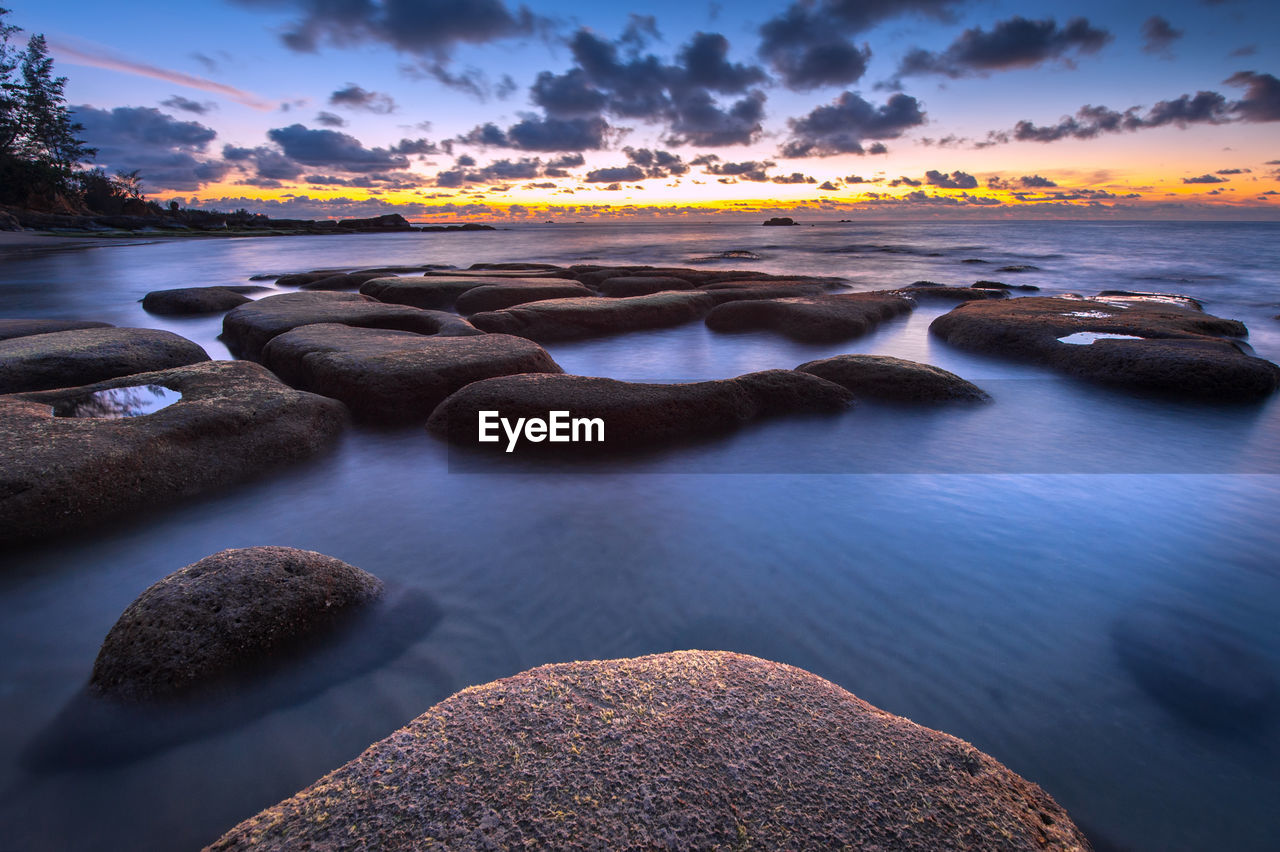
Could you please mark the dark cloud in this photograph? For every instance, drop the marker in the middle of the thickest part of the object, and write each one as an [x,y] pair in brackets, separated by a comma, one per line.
[424,27]
[1261,101]
[1233,171]
[752,170]
[809,45]
[794,177]
[842,127]
[188,105]
[355,97]
[158,146]
[333,149]
[415,146]
[1158,35]
[470,81]
[856,179]
[1205,179]
[613,175]
[904,181]
[656,164]
[1245,50]
[269,164]
[1014,43]
[328,119]
[956,180]
[828,186]
[1035,182]
[545,134]
[616,78]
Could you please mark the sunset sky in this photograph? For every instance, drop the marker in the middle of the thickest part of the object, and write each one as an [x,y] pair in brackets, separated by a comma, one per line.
[485,110]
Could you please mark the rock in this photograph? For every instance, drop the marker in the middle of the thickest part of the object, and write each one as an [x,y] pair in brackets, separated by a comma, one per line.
[893,379]
[1018,267]
[223,613]
[9,222]
[297,279]
[469,226]
[687,750]
[634,414]
[344,281]
[431,292]
[1202,673]
[247,329]
[568,319]
[814,319]
[61,359]
[25,327]
[502,274]
[781,220]
[195,300]
[594,276]
[641,285]
[927,291]
[386,222]
[518,267]
[395,376]
[234,420]
[1177,350]
[734,291]
[1000,285]
[496,297]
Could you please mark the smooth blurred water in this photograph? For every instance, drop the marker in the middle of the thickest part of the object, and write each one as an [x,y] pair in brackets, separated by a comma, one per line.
[984,571]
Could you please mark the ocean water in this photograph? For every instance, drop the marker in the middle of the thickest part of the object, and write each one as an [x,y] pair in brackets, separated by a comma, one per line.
[1082,583]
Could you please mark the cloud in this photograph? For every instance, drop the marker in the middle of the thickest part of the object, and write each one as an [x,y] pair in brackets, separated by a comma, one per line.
[794,177]
[334,150]
[160,147]
[1035,182]
[842,127]
[422,27]
[328,119]
[1262,96]
[545,134]
[828,186]
[613,175]
[656,164]
[1233,171]
[956,180]
[1013,43]
[808,43]
[1244,50]
[857,179]
[905,181]
[1159,35]
[355,97]
[1261,103]
[188,105]
[752,170]
[1205,179]
[79,52]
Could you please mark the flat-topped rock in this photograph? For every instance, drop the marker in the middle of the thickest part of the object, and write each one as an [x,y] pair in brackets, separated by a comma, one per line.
[641,285]
[634,414]
[815,319]
[26,327]
[395,376]
[234,420]
[1138,344]
[61,359]
[687,750]
[569,319]
[224,613]
[496,297]
[926,291]
[894,379]
[766,288]
[196,300]
[344,280]
[437,292]
[248,328]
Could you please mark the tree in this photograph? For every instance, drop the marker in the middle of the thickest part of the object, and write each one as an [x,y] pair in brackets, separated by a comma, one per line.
[10,91]
[49,134]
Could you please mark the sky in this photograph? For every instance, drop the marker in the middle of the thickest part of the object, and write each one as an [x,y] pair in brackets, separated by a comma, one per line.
[490,110]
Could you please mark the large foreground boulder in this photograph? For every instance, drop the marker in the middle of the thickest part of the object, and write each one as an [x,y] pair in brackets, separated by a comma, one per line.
[63,359]
[234,420]
[396,376]
[688,750]
[182,301]
[497,297]
[1141,344]
[641,285]
[894,379]
[569,319]
[224,613]
[247,329]
[816,319]
[25,327]
[634,414]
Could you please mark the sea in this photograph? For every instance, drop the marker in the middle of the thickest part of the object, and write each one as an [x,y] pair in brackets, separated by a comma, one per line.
[1082,582]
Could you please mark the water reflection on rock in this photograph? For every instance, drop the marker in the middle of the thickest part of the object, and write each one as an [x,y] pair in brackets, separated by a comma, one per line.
[118,403]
